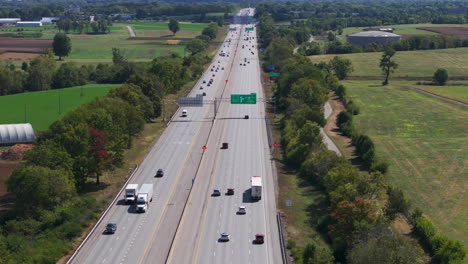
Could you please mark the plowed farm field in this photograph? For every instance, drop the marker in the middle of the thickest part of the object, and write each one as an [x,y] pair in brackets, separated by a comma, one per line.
[20,45]
[461,32]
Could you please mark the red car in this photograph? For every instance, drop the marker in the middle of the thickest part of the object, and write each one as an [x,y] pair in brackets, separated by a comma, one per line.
[259,239]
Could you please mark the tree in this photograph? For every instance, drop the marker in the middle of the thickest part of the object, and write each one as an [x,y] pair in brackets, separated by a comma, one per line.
[119,56]
[49,155]
[341,67]
[61,45]
[68,75]
[350,216]
[387,64]
[173,26]
[41,71]
[37,188]
[440,76]
[196,45]
[386,247]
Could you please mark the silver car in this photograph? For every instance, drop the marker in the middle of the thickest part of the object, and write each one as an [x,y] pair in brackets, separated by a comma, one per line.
[224,237]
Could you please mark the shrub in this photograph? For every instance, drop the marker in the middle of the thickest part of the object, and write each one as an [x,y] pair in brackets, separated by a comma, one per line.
[440,76]
[380,166]
[426,231]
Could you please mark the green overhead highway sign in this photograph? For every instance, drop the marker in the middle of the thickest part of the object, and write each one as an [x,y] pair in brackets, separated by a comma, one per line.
[244,98]
[249,29]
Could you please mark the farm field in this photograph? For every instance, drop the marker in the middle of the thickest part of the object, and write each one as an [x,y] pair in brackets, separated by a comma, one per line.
[424,141]
[406,29]
[419,63]
[98,48]
[42,108]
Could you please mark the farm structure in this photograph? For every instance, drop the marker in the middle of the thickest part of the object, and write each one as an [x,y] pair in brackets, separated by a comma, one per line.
[16,133]
[29,24]
[368,37]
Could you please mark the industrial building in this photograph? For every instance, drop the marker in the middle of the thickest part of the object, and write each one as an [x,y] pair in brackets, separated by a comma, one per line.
[29,24]
[16,134]
[9,21]
[368,37]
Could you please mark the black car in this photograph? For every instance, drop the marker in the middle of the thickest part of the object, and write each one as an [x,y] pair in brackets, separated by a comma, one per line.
[216,192]
[204,81]
[160,173]
[111,228]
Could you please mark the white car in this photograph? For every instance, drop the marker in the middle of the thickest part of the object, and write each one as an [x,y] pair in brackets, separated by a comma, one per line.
[241,210]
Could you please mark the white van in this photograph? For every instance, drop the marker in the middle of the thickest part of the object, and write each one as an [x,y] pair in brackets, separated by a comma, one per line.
[184,113]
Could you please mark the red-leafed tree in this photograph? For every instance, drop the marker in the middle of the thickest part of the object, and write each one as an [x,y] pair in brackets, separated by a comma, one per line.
[97,148]
[350,215]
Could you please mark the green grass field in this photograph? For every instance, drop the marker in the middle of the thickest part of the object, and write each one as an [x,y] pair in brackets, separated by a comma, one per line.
[424,141]
[407,29]
[455,89]
[420,63]
[42,108]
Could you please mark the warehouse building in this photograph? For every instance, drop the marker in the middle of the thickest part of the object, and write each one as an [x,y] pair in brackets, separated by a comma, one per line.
[9,21]
[29,24]
[16,134]
[368,37]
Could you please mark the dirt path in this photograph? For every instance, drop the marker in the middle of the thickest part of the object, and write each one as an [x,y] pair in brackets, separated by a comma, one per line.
[447,99]
[333,131]
[131,32]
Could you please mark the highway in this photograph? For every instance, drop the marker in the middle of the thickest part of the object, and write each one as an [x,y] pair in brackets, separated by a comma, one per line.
[206,217]
[148,237]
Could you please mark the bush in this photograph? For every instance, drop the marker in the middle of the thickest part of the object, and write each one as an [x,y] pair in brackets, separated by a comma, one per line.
[380,166]
[352,108]
[425,230]
[440,76]
[397,202]
[343,117]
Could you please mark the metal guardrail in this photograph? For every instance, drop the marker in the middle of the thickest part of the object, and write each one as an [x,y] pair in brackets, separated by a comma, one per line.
[102,216]
[281,238]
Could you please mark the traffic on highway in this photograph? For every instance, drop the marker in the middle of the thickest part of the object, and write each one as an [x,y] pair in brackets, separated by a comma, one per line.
[205,193]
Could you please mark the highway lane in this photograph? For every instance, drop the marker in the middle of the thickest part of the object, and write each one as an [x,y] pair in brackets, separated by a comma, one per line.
[178,152]
[206,217]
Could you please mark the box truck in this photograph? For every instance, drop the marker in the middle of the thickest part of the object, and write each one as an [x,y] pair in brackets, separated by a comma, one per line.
[131,192]
[145,196]
[256,190]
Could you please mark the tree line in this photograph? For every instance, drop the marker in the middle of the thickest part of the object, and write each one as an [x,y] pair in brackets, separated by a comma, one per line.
[51,185]
[360,205]
[412,43]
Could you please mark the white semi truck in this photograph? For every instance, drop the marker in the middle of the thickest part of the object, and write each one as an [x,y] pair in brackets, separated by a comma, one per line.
[131,192]
[256,190]
[145,196]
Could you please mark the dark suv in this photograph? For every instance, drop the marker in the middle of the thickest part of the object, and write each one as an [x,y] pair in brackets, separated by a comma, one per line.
[160,173]
[111,228]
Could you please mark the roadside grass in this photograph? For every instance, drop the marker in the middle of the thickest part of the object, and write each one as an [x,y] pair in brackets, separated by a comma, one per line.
[308,203]
[405,29]
[42,108]
[424,141]
[420,63]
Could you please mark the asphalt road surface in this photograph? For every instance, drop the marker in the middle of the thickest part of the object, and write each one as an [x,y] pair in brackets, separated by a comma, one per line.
[191,173]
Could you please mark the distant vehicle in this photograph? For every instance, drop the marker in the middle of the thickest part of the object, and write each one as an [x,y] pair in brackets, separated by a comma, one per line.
[211,69]
[204,81]
[256,190]
[222,68]
[259,239]
[145,196]
[131,192]
[225,145]
[224,237]
[204,94]
[160,173]
[244,64]
[201,87]
[241,210]
[246,117]
[209,84]
[216,192]
[213,75]
[230,191]
[184,113]
[111,228]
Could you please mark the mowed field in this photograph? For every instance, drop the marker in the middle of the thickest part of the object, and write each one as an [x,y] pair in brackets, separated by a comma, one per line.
[42,108]
[424,139]
[420,63]
[406,29]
